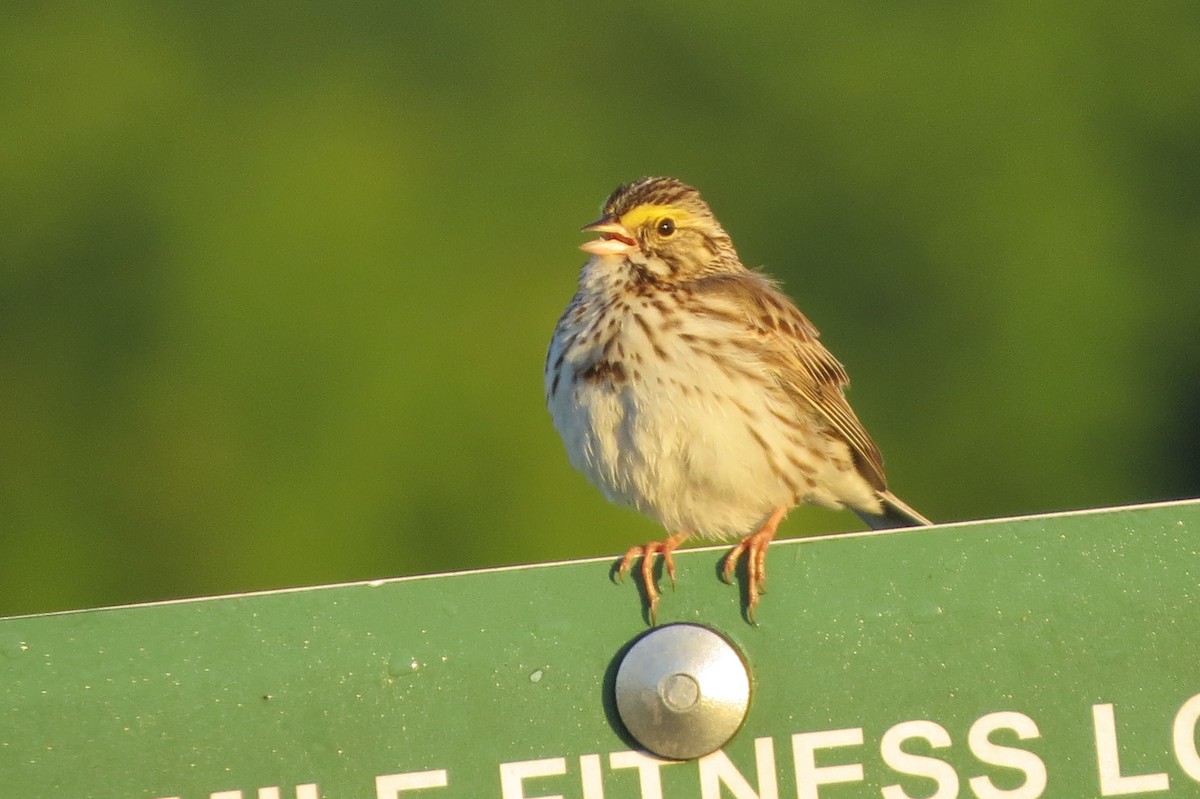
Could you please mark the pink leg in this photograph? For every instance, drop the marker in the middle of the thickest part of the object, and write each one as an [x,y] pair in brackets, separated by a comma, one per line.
[755,547]
[647,552]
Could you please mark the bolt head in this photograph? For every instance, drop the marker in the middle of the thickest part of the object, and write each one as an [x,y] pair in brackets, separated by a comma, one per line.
[682,691]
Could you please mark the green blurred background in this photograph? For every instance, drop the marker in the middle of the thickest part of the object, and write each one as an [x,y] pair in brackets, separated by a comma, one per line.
[276,279]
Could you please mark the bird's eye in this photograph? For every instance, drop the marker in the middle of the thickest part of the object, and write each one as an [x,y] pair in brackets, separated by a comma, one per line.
[666,226]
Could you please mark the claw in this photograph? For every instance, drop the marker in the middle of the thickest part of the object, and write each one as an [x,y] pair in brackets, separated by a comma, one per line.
[648,552]
[627,562]
[755,547]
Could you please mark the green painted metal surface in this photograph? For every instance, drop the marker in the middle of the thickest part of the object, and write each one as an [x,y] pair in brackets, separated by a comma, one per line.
[1054,656]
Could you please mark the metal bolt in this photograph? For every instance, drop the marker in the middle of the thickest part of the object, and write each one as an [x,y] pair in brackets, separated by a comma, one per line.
[682,691]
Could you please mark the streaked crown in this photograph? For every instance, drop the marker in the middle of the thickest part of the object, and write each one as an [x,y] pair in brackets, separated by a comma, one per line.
[654,191]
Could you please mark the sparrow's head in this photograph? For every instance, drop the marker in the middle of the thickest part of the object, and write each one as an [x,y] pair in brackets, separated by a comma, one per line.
[663,226]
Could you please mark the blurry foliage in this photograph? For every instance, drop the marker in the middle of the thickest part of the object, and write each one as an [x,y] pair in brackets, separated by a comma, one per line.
[276,280]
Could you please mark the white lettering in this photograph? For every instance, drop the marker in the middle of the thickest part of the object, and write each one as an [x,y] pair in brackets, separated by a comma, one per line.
[1183,736]
[389,786]
[918,765]
[306,791]
[1009,757]
[808,775]
[1108,763]
[649,771]
[513,776]
[716,770]
[589,777]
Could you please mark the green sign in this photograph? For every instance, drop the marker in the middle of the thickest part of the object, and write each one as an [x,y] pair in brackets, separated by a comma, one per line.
[1056,656]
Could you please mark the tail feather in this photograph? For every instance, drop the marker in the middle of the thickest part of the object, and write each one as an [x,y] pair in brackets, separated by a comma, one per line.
[896,513]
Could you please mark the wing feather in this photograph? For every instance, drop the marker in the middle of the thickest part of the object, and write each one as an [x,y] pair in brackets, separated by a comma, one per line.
[805,370]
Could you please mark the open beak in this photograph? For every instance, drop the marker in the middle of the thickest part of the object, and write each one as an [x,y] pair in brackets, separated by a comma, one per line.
[615,238]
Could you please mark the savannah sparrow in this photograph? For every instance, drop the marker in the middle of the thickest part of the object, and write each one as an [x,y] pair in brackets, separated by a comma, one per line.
[690,388]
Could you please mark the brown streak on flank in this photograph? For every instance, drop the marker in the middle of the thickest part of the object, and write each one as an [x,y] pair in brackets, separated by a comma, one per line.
[717,313]
[790,421]
[743,344]
[839,452]
[758,439]
[702,343]
[604,371]
[747,412]
[554,383]
[716,344]
[785,477]
[806,469]
[734,371]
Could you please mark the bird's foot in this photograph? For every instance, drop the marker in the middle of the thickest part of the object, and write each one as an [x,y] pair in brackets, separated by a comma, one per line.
[755,548]
[648,553]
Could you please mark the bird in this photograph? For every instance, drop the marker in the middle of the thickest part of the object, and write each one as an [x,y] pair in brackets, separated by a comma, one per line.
[689,387]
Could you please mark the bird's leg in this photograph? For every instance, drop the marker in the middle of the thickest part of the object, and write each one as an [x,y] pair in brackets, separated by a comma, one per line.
[665,548]
[755,547]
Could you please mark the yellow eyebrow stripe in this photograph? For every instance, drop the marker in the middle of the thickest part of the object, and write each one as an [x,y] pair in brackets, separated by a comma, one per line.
[636,217]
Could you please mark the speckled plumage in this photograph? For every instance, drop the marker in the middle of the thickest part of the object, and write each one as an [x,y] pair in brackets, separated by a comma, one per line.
[690,388]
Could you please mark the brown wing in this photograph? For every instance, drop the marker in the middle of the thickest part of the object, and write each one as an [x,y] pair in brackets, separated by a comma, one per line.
[806,371]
